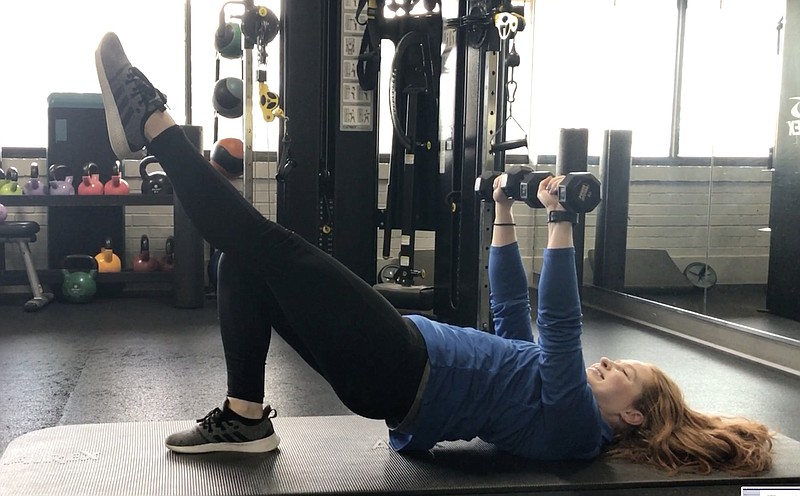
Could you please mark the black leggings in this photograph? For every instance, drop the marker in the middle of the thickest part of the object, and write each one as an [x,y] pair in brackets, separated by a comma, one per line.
[371,356]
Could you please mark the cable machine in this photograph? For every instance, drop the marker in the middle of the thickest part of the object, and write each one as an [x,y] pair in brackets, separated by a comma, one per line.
[479,69]
[456,57]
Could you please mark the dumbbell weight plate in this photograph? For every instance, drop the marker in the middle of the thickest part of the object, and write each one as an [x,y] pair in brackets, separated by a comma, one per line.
[515,175]
[529,188]
[484,185]
[579,192]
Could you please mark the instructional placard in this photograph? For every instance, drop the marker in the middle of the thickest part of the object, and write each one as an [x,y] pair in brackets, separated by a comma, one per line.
[355,104]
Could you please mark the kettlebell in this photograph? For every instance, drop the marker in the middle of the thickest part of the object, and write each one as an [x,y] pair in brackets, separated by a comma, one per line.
[167,262]
[79,283]
[34,186]
[107,260]
[11,187]
[154,183]
[90,181]
[116,185]
[3,213]
[61,186]
[3,179]
[144,262]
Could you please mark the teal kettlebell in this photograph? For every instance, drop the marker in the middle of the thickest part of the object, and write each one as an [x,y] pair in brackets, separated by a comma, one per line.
[79,283]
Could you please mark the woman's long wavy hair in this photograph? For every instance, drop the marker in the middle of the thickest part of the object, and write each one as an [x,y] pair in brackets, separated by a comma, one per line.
[678,439]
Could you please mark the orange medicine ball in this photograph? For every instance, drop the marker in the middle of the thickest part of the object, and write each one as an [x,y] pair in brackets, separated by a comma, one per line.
[227,156]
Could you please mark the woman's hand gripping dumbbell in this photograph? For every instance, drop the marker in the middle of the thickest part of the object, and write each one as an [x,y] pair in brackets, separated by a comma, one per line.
[578,192]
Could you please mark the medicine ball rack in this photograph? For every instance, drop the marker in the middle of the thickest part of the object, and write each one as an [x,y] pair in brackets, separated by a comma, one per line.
[52,275]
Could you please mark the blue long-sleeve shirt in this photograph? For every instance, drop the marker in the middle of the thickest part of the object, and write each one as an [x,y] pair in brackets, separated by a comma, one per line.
[529,398]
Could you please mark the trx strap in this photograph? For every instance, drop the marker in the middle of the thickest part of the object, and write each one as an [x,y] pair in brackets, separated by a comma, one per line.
[369,58]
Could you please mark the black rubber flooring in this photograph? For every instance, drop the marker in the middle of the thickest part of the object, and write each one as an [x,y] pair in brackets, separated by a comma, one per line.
[140,359]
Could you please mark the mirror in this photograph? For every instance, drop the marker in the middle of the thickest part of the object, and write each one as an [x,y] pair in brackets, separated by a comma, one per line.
[701,96]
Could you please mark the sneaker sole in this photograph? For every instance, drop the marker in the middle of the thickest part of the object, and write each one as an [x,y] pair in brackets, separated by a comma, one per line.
[259,446]
[116,131]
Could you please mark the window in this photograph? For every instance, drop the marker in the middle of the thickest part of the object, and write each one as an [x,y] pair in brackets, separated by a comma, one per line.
[731,78]
[598,64]
[602,64]
[49,45]
[50,48]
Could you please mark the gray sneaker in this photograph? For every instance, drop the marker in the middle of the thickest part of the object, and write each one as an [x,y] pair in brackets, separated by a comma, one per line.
[128,97]
[222,430]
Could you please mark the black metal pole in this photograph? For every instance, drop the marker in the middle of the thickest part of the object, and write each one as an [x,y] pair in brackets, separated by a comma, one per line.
[678,81]
[573,156]
[611,233]
[188,58]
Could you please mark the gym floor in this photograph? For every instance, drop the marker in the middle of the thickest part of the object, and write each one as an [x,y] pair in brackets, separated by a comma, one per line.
[138,359]
[743,304]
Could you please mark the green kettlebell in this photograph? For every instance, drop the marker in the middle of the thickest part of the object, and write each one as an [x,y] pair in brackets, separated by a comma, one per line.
[79,283]
[11,186]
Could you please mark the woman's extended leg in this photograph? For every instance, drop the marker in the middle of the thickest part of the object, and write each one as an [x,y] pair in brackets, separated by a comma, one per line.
[361,344]
[247,313]
[372,357]
[245,328]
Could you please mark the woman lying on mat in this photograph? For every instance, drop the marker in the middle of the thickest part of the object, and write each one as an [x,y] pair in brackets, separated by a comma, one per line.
[428,380]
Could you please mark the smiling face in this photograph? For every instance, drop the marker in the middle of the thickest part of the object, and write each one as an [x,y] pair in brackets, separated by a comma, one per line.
[616,385]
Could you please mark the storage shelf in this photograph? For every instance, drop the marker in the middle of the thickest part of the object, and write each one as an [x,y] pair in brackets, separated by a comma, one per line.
[54,276]
[187,281]
[84,201]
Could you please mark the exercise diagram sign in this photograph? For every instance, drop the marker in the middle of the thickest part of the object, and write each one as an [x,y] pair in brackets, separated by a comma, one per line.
[355,104]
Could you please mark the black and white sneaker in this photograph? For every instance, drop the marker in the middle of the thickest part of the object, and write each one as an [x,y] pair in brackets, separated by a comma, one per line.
[128,97]
[224,430]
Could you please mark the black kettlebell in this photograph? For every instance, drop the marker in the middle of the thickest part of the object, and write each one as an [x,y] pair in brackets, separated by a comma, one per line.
[154,183]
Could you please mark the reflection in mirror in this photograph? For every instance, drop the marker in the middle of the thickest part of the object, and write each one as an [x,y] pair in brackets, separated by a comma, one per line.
[700,193]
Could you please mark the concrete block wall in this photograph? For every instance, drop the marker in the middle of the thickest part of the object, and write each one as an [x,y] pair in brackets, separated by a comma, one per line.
[669,209]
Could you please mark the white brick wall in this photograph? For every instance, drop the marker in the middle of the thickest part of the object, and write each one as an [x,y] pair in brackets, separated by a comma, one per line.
[668,210]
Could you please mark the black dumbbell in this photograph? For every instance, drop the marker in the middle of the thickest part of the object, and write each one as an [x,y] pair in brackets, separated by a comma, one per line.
[522,183]
[484,185]
[579,191]
[517,176]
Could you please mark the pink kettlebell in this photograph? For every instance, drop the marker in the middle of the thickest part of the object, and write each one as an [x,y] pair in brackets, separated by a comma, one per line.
[116,185]
[90,182]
